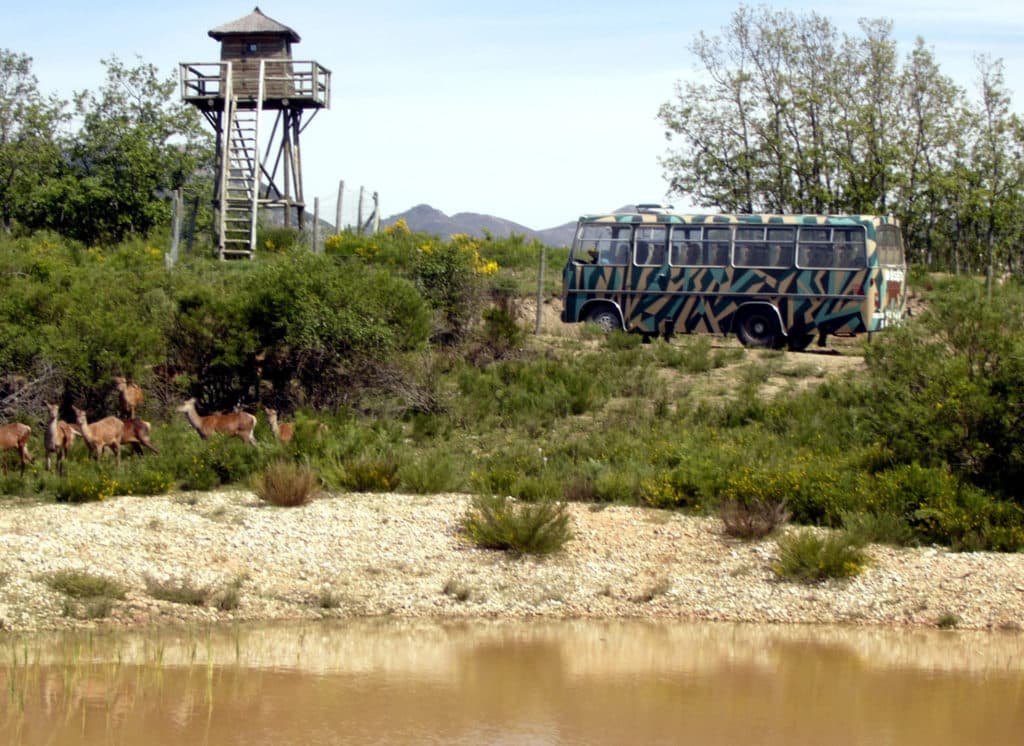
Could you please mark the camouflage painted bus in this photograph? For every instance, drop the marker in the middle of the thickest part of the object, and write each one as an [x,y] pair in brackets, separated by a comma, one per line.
[773,280]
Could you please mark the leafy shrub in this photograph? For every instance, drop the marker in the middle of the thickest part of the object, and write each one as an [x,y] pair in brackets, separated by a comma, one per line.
[148,482]
[84,489]
[949,388]
[807,557]
[429,473]
[450,276]
[497,522]
[279,238]
[878,528]
[617,485]
[371,473]
[286,484]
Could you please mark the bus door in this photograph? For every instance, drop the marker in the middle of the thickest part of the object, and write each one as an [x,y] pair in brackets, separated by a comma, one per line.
[650,280]
[891,298]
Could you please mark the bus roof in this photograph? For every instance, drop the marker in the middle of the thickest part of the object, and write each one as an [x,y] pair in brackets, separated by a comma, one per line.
[733,218]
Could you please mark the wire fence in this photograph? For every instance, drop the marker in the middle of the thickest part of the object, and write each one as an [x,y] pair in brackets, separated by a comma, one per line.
[350,208]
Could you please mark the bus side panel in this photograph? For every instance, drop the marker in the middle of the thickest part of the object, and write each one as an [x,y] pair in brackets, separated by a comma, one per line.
[586,282]
[706,299]
[829,301]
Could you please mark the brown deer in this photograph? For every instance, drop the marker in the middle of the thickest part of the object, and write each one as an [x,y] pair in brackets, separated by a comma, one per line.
[13,436]
[107,433]
[58,438]
[129,397]
[136,434]
[239,424]
[283,431]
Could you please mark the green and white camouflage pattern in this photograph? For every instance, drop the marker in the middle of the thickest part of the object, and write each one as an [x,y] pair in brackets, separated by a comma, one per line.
[797,297]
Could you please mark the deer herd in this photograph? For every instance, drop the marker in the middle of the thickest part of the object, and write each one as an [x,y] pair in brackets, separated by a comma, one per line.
[125,429]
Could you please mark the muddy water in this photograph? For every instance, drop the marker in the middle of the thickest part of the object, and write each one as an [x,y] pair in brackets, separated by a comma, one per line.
[521,683]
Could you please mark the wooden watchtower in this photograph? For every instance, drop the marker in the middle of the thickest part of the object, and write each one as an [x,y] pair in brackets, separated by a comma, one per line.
[254,172]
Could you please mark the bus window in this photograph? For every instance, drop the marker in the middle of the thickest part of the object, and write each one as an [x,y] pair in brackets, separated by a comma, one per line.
[890,246]
[849,248]
[686,247]
[650,245]
[750,250]
[780,246]
[716,246]
[814,248]
[761,247]
[602,243]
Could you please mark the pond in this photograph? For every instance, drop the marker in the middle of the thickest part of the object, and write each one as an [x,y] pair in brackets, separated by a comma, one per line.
[575,682]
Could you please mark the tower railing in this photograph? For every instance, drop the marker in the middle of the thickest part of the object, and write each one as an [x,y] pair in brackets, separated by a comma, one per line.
[300,83]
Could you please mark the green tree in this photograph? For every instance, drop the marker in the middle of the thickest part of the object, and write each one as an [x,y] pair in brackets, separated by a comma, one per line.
[29,130]
[932,130]
[135,145]
[996,156]
[792,115]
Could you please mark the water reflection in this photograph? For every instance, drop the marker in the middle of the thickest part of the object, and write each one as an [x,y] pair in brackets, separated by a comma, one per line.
[515,683]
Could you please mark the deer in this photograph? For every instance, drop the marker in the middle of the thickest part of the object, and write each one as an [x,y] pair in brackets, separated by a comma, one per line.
[58,438]
[283,431]
[239,424]
[129,397]
[136,434]
[107,433]
[13,436]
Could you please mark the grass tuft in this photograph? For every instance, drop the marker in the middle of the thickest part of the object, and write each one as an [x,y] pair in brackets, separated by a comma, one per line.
[539,528]
[83,585]
[287,485]
[178,591]
[809,558]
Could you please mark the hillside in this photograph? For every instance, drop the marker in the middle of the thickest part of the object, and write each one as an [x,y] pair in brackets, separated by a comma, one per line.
[426,219]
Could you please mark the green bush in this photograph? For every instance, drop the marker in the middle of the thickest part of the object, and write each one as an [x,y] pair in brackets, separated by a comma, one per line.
[949,388]
[497,522]
[374,472]
[808,558]
[83,585]
[88,488]
[430,473]
[878,528]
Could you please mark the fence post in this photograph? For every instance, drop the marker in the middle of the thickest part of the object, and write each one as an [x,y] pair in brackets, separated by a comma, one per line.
[177,204]
[316,225]
[540,288]
[376,213]
[337,211]
[359,213]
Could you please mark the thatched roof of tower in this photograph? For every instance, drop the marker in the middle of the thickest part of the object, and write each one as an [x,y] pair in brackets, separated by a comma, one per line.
[254,23]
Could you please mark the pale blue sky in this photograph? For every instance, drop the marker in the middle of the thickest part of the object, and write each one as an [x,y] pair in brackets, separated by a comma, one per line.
[523,110]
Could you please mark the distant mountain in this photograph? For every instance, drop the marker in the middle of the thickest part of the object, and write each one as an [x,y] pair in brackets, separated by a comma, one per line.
[426,219]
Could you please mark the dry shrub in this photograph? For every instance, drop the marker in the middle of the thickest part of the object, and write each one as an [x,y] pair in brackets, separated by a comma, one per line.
[752,519]
[287,485]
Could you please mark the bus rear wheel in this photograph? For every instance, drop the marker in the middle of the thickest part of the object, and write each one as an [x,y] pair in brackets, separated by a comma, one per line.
[757,328]
[606,318]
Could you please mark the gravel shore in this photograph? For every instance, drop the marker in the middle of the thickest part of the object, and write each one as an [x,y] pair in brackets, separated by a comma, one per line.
[367,555]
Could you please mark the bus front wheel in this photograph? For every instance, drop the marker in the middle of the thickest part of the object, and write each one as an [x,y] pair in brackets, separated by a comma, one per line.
[606,318]
[758,328]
